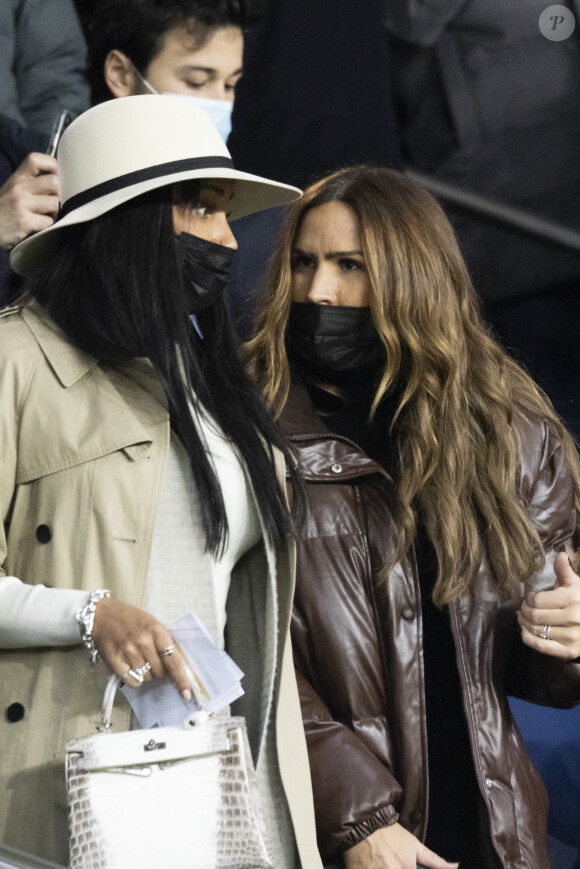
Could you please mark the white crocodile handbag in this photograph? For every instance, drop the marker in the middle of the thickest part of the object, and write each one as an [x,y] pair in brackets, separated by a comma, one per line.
[165,798]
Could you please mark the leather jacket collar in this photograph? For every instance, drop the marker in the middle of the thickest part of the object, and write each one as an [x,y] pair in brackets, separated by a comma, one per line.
[321,455]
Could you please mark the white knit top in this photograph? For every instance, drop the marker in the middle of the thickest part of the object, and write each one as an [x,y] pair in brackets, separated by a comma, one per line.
[182,576]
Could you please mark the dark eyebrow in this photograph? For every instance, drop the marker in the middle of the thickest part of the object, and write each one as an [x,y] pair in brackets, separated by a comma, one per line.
[340,253]
[210,70]
[191,68]
[334,255]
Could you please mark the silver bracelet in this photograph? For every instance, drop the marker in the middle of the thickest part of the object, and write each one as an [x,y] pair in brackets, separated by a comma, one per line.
[86,619]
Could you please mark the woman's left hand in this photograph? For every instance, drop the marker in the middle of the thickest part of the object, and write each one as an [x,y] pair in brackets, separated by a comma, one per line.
[550,620]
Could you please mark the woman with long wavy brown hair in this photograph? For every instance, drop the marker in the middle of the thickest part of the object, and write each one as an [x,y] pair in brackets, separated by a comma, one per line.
[441,495]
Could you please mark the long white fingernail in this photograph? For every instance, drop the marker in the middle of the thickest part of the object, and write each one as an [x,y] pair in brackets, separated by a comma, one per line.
[186,694]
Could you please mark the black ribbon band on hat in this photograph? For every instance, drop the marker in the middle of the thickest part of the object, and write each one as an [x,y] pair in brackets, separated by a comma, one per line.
[147,174]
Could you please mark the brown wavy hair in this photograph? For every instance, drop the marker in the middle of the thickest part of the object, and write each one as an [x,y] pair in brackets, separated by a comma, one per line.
[457,445]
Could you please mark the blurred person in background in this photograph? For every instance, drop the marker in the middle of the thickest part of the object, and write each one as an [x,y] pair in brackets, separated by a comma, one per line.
[42,62]
[431,578]
[28,194]
[489,100]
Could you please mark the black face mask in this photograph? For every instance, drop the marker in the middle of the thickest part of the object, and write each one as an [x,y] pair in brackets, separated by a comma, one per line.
[205,269]
[332,342]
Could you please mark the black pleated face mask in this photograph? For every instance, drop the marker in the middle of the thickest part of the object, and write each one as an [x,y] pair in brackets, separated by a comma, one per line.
[333,342]
[205,269]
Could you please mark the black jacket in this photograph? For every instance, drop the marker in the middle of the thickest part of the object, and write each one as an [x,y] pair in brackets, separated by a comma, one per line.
[490,104]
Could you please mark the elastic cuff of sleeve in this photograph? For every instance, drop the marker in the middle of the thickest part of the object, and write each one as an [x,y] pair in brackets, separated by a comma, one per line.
[383,818]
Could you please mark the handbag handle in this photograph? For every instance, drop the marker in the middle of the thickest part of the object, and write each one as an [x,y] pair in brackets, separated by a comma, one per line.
[114,681]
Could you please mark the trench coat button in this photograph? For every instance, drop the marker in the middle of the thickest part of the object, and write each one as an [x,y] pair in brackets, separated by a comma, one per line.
[44,533]
[408,614]
[336,469]
[489,782]
[415,816]
[15,712]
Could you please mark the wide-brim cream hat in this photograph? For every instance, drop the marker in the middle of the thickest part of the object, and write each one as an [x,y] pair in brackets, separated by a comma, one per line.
[122,148]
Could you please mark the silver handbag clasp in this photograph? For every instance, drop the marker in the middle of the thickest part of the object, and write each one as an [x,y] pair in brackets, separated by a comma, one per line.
[154,746]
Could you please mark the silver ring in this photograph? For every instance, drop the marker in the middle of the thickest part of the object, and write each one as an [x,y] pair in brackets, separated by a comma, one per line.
[136,676]
[142,671]
[545,632]
[163,653]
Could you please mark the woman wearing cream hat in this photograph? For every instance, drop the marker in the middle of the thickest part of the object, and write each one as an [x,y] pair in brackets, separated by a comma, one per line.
[140,476]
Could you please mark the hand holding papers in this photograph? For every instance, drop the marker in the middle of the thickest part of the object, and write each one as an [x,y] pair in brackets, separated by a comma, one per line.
[158,704]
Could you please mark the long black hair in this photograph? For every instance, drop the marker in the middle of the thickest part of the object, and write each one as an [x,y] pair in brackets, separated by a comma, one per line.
[114,287]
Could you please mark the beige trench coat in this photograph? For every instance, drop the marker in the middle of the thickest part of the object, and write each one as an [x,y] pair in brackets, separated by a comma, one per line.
[82,451]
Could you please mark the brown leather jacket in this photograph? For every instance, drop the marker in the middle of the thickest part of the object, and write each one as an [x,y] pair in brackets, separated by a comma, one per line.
[358,652]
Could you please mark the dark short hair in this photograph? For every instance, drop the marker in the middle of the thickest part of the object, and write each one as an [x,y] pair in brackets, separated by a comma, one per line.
[138,27]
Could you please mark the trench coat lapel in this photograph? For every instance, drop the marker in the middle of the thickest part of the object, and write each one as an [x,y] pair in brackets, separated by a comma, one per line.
[122,407]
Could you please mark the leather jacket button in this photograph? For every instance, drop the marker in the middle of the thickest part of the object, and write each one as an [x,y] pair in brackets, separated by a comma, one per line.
[489,782]
[408,614]
[15,712]
[415,816]
[44,533]
[336,469]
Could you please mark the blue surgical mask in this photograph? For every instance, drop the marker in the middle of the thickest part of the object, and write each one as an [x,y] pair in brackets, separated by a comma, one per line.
[220,111]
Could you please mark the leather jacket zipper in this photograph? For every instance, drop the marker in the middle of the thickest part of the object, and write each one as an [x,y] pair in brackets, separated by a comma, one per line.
[326,435]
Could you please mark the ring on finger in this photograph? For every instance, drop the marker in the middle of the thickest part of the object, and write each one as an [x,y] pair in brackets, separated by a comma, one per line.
[142,671]
[545,632]
[136,676]
[163,653]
